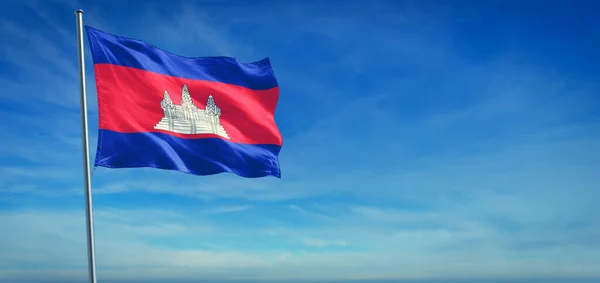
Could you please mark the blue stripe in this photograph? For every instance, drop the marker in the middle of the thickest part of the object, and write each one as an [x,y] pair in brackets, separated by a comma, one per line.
[111,49]
[205,156]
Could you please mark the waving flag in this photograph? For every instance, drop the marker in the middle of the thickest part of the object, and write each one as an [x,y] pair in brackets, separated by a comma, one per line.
[202,116]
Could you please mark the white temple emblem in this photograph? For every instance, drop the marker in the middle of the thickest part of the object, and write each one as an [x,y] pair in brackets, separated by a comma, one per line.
[188,119]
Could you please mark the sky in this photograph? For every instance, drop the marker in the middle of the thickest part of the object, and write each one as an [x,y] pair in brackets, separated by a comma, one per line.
[433,141]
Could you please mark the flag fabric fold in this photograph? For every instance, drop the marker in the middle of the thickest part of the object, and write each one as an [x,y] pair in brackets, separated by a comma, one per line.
[202,115]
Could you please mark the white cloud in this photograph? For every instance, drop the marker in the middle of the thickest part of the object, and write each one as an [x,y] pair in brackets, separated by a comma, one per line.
[311,214]
[124,243]
[312,242]
[227,209]
[394,215]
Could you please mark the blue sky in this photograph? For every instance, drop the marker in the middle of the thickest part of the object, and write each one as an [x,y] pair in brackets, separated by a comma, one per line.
[422,139]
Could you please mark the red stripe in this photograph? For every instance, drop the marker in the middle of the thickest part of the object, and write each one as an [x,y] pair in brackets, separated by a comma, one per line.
[129,101]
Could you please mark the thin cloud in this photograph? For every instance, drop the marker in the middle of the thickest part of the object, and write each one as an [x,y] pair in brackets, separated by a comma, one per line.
[227,209]
[123,246]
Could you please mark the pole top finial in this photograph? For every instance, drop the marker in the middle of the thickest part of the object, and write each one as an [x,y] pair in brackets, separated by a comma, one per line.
[78,11]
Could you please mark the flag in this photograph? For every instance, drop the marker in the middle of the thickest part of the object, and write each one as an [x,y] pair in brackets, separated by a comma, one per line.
[202,115]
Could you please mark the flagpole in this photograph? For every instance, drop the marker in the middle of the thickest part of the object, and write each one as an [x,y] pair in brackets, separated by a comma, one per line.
[86,152]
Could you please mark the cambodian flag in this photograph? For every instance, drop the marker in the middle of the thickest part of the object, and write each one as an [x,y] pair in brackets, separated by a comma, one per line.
[203,115]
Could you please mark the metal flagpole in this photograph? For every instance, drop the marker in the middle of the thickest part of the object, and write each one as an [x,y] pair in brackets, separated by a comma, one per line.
[86,152]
